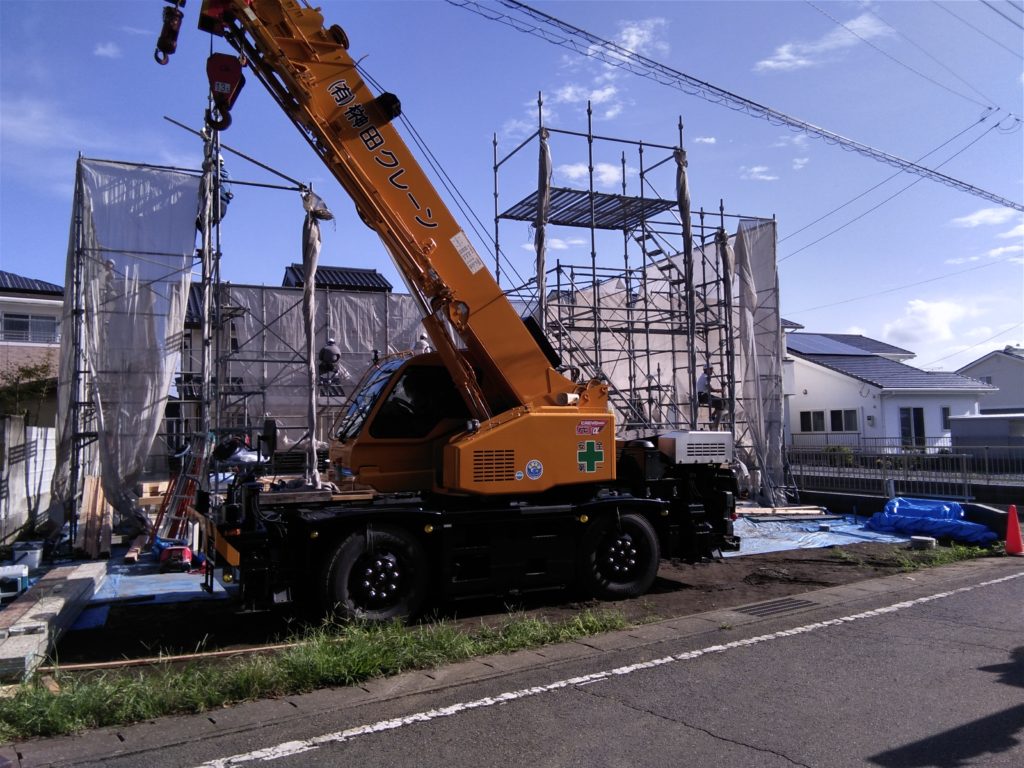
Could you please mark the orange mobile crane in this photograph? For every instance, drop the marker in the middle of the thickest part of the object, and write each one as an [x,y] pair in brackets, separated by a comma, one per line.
[475,469]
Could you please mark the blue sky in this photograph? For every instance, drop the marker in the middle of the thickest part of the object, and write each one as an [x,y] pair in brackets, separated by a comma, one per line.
[932,269]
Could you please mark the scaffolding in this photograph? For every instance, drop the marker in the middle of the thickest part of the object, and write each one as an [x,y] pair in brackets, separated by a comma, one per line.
[680,290]
[677,294]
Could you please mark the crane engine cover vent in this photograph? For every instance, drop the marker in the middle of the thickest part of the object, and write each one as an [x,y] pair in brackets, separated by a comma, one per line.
[697,447]
[494,466]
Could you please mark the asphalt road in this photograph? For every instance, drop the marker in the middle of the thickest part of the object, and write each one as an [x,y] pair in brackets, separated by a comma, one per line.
[925,669]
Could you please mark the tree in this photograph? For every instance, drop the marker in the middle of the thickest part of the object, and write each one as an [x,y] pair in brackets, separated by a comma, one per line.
[24,387]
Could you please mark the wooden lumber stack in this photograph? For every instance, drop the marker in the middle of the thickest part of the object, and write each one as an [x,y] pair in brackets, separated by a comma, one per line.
[95,520]
[31,625]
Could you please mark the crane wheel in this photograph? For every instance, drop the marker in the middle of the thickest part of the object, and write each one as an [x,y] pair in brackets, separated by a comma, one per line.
[619,558]
[377,574]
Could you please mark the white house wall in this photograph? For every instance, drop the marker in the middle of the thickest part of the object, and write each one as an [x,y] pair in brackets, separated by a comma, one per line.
[821,389]
[932,404]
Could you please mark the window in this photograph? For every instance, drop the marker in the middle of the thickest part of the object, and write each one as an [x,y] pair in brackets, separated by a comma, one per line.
[945,417]
[34,328]
[812,421]
[844,421]
[985,379]
[912,427]
[421,399]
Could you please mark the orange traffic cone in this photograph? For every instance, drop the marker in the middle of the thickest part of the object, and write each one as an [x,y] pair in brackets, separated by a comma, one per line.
[1014,542]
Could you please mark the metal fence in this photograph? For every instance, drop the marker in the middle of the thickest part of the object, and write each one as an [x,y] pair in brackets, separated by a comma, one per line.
[942,472]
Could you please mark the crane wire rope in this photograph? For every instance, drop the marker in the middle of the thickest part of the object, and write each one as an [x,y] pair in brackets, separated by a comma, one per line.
[573,38]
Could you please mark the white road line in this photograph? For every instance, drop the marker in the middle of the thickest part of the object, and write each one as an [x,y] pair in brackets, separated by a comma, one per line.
[290,748]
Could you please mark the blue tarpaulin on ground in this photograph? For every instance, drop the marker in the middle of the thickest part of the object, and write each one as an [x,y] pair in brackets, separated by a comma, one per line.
[928,517]
[761,536]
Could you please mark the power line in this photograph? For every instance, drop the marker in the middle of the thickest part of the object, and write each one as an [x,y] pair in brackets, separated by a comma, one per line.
[935,59]
[884,181]
[873,294]
[984,34]
[896,194]
[966,349]
[1012,21]
[587,44]
[893,59]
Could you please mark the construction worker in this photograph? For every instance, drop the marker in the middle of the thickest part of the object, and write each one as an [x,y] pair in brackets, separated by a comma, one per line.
[706,396]
[329,360]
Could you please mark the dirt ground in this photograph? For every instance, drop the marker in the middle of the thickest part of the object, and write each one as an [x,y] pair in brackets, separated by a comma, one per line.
[681,589]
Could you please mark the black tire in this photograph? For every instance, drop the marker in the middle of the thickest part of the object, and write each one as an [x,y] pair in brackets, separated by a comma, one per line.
[377,574]
[619,558]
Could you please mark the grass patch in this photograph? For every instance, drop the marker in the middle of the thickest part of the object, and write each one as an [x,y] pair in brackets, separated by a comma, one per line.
[914,559]
[329,655]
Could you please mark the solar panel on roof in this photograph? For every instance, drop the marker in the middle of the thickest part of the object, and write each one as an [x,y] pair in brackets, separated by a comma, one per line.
[816,344]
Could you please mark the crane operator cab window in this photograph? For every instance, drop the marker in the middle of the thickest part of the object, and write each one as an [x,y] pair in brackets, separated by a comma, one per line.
[421,399]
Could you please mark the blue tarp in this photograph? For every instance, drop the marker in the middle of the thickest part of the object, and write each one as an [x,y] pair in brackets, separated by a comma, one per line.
[761,536]
[927,517]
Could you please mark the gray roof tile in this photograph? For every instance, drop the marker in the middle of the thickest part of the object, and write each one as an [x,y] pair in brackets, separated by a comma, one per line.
[890,374]
[342,278]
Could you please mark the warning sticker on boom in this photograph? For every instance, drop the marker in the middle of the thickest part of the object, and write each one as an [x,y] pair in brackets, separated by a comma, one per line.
[468,253]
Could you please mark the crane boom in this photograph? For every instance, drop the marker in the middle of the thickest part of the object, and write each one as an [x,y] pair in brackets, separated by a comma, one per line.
[309,71]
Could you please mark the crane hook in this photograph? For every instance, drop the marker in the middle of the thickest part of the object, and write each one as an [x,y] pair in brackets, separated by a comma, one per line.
[167,43]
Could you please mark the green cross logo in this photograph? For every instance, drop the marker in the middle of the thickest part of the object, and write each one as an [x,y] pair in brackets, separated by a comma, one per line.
[589,455]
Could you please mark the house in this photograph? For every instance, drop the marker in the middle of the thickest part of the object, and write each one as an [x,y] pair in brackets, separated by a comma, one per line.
[1003,368]
[30,313]
[852,390]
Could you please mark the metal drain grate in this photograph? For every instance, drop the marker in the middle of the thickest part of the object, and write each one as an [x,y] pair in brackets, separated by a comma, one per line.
[776,607]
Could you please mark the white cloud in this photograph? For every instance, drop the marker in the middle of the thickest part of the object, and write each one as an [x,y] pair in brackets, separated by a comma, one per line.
[705,140]
[107,51]
[642,37]
[605,174]
[603,95]
[799,163]
[517,129]
[570,94]
[925,322]
[985,216]
[136,31]
[36,124]
[799,55]
[798,140]
[856,330]
[962,260]
[1017,231]
[613,111]
[757,173]
[556,244]
[995,253]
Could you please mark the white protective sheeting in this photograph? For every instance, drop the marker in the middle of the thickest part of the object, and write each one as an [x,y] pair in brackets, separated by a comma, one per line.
[129,262]
[759,359]
[263,354]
